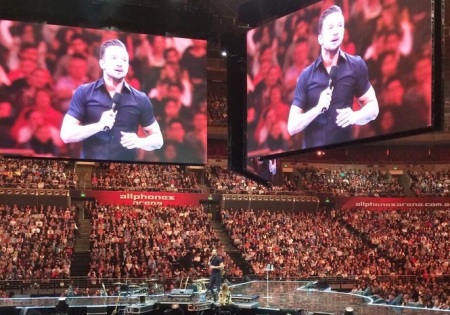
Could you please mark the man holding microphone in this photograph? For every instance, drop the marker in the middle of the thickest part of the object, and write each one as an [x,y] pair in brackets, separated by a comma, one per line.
[106,114]
[322,105]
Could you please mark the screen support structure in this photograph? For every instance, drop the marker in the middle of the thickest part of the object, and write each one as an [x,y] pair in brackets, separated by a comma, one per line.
[235,45]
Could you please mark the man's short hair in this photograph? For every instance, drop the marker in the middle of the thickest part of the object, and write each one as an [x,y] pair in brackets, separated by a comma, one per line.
[327,12]
[109,43]
[78,56]
[77,36]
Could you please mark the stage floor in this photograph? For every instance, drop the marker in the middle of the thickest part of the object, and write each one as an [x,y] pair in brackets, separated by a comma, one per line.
[275,298]
[284,295]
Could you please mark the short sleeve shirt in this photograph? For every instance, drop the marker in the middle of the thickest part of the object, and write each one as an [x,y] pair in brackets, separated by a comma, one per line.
[216,261]
[88,104]
[351,81]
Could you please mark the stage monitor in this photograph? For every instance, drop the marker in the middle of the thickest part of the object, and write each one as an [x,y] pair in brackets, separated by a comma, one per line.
[336,73]
[61,94]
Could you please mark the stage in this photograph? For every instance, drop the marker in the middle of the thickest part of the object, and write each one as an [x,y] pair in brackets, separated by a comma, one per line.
[272,298]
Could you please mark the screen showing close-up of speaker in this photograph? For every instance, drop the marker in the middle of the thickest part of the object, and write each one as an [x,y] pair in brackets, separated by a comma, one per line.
[101,94]
[337,72]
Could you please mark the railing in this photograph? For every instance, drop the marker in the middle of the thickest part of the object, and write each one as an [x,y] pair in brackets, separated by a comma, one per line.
[5,190]
[154,189]
[258,192]
[55,287]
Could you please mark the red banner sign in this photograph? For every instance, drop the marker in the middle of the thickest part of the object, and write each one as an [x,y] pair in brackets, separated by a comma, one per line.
[147,198]
[393,203]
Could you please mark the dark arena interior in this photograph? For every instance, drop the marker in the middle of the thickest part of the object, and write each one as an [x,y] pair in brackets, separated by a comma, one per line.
[157,208]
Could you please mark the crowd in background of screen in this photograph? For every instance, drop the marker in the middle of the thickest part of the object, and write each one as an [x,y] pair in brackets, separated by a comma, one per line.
[394,37]
[41,66]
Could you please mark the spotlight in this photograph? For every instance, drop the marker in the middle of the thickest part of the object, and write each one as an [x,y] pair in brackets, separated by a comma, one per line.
[348,310]
[223,53]
[62,306]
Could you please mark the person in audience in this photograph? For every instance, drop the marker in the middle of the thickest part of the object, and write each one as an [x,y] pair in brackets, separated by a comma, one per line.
[42,143]
[65,85]
[28,124]
[79,46]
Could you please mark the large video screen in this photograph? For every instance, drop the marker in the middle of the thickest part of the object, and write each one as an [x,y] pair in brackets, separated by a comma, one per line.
[270,171]
[101,94]
[337,72]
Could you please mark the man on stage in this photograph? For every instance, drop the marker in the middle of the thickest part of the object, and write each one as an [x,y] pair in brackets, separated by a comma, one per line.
[216,266]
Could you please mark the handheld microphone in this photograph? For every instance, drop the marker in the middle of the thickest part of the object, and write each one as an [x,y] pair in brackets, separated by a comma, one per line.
[333,75]
[117,97]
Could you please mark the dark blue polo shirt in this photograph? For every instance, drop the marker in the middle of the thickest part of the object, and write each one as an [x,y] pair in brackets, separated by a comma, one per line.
[351,81]
[216,261]
[88,104]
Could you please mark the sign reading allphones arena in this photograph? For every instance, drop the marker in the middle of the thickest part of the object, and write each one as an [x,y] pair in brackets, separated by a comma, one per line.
[148,198]
[394,203]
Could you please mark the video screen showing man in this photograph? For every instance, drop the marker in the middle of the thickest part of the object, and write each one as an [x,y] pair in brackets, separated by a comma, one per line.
[324,94]
[43,65]
[105,115]
[388,43]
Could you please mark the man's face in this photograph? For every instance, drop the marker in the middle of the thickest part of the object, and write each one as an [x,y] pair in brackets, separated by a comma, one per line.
[172,110]
[43,100]
[389,66]
[174,92]
[77,68]
[200,121]
[29,53]
[39,78]
[173,57]
[115,62]
[332,32]
[170,152]
[78,46]
[176,132]
[43,133]
[300,53]
[395,92]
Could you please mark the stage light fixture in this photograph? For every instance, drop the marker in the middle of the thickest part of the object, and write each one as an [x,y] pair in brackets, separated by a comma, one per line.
[349,311]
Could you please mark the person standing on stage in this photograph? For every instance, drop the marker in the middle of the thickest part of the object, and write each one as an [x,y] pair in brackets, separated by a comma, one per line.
[107,113]
[216,266]
[322,105]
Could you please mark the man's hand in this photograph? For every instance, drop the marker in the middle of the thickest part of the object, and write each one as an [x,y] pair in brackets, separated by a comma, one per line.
[345,117]
[108,119]
[325,99]
[130,140]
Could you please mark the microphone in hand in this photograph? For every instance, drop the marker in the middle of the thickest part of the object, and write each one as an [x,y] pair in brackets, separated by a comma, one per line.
[333,75]
[115,101]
